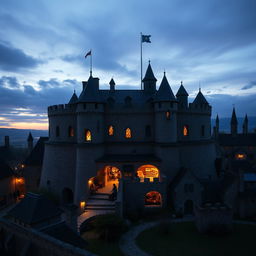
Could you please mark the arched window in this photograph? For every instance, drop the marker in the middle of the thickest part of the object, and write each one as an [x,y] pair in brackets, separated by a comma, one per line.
[185,130]
[128,133]
[110,130]
[153,198]
[71,132]
[147,171]
[88,135]
[240,156]
[57,132]
[168,115]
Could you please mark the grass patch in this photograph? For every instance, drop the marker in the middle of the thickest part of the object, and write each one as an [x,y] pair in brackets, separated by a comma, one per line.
[184,239]
[101,247]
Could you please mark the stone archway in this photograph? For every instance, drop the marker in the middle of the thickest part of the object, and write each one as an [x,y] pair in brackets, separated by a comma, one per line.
[67,196]
[153,198]
[147,171]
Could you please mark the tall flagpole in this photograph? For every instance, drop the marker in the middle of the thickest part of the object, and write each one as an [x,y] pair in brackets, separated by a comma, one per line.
[141,60]
[91,63]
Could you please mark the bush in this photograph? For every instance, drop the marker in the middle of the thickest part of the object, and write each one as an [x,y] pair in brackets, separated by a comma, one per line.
[109,227]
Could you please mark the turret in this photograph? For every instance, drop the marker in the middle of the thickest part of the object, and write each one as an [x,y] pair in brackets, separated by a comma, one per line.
[90,121]
[182,97]
[73,99]
[30,142]
[233,123]
[112,84]
[149,81]
[245,125]
[165,113]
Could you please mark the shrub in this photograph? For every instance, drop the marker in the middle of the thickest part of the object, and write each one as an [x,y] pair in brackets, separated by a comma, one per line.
[109,227]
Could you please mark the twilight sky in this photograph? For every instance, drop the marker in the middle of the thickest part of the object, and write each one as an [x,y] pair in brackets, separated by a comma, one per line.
[43,43]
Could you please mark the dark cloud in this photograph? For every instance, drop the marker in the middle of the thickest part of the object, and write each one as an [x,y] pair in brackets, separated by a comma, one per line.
[28,89]
[13,59]
[53,82]
[249,86]
[9,81]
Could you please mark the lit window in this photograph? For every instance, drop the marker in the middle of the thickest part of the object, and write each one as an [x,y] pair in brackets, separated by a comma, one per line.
[240,156]
[153,198]
[128,133]
[88,135]
[168,114]
[147,171]
[71,132]
[111,130]
[185,130]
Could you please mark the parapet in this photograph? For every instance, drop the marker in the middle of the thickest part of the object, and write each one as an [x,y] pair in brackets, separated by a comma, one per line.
[61,109]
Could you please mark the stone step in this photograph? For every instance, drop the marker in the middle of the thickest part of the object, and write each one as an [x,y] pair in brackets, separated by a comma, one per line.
[99,197]
[96,208]
[100,202]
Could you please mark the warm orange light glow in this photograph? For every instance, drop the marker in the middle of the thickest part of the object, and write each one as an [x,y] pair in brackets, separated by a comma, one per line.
[90,181]
[147,171]
[19,181]
[128,133]
[153,198]
[168,115]
[240,156]
[82,204]
[113,172]
[111,130]
[71,132]
[22,166]
[185,130]
[88,135]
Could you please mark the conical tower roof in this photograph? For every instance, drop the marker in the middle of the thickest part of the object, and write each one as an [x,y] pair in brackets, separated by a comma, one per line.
[233,118]
[73,99]
[30,137]
[182,91]
[112,82]
[246,119]
[91,91]
[200,99]
[217,118]
[164,92]
[149,74]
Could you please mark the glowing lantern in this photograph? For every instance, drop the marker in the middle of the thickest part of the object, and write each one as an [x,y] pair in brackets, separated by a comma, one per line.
[82,205]
[111,130]
[240,156]
[128,133]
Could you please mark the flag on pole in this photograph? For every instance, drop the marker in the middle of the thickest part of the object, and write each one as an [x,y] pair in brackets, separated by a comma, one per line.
[145,38]
[88,54]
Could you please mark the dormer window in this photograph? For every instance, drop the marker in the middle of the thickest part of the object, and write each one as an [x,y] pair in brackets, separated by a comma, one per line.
[110,130]
[128,133]
[185,130]
[168,115]
[88,135]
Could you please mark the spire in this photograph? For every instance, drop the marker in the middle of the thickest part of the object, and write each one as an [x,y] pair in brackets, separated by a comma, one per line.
[233,123]
[149,76]
[217,119]
[30,137]
[245,125]
[233,118]
[164,92]
[200,99]
[112,84]
[182,91]
[73,99]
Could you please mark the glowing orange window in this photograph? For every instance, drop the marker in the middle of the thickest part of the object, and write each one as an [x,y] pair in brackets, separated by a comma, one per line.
[111,130]
[185,130]
[168,114]
[240,156]
[128,133]
[88,135]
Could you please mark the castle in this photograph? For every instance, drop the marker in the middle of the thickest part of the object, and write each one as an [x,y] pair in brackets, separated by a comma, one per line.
[153,145]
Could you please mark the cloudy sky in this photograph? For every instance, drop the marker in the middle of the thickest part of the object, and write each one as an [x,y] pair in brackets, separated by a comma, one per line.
[43,43]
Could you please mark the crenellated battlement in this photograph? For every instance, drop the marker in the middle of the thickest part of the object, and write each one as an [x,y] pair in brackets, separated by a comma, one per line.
[200,108]
[61,109]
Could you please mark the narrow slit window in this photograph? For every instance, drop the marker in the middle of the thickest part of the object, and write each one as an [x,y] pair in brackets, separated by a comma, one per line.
[185,130]
[88,135]
[110,130]
[128,133]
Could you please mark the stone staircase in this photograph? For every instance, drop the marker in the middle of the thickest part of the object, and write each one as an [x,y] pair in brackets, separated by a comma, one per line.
[97,204]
